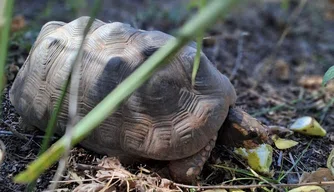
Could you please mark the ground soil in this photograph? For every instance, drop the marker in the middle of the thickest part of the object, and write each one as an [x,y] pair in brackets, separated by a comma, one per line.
[276,76]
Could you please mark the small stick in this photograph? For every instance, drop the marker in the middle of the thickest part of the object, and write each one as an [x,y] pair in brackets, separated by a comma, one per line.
[240,54]
[15,132]
[10,133]
[280,157]
[322,183]
[80,166]
[295,168]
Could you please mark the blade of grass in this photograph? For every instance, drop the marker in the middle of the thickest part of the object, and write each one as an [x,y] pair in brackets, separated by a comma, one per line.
[197,58]
[73,97]
[199,40]
[244,172]
[49,132]
[111,102]
[297,161]
[6,10]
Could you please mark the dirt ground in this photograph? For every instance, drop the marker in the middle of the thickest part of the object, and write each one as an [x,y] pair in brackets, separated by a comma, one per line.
[274,56]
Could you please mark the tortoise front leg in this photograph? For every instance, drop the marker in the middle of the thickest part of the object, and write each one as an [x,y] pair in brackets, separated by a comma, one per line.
[186,170]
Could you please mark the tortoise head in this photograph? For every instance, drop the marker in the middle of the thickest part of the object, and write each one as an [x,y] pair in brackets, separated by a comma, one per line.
[242,130]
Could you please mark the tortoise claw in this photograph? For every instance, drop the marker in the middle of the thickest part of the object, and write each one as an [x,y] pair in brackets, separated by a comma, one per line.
[186,170]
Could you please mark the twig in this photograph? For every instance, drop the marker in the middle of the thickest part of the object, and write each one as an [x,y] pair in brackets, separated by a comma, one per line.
[299,158]
[280,157]
[262,179]
[79,166]
[321,183]
[15,132]
[240,54]
[293,161]
[10,133]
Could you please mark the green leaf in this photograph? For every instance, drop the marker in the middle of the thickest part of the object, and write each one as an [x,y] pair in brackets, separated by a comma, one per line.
[328,75]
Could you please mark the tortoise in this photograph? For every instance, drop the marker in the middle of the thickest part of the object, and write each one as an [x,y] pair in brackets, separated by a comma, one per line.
[167,119]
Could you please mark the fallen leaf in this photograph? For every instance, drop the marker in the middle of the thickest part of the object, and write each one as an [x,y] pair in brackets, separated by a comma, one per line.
[236,190]
[283,143]
[215,190]
[281,70]
[110,170]
[93,187]
[18,23]
[330,162]
[309,126]
[76,177]
[280,131]
[259,158]
[321,174]
[308,189]
[310,81]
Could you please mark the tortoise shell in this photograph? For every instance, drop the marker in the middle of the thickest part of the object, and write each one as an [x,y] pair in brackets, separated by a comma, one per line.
[167,118]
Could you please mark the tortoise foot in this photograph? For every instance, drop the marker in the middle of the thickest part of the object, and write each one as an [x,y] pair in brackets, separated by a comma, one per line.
[186,170]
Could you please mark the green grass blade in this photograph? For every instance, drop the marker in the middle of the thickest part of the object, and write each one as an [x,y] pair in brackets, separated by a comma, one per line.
[199,40]
[329,75]
[111,102]
[197,58]
[53,120]
[6,11]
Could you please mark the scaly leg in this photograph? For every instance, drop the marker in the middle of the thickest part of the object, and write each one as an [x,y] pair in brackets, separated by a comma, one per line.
[186,170]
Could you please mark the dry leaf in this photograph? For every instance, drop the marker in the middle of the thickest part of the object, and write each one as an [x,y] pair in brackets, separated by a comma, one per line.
[315,82]
[310,81]
[281,70]
[111,170]
[236,190]
[309,126]
[93,187]
[308,189]
[259,158]
[321,174]
[283,143]
[18,23]
[330,162]
[280,131]
[76,177]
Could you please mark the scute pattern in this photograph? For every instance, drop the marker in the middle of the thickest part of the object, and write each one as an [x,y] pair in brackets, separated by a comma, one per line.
[165,119]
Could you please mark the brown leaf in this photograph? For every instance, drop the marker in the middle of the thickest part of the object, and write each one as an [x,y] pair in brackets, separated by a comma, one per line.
[281,70]
[93,187]
[18,23]
[112,168]
[321,174]
[315,82]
